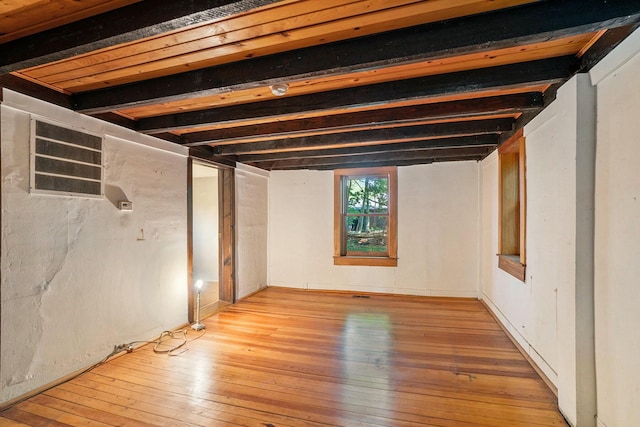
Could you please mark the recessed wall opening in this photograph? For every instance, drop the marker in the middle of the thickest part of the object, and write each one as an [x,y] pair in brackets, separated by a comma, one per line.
[209,237]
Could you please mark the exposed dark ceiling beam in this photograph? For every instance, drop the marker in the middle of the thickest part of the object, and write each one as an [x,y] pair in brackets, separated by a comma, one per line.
[167,136]
[536,22]
[34,90]
[527,115]
[515,103]
[464,141]
[539,72]
[604,45]
[409,133]
[134,22]
[206,153]
[413,162]
[116,119]
[353,161]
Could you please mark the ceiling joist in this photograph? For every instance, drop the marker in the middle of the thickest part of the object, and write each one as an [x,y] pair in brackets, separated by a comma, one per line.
[375,136]
[371,82]
[127,24]
[528,24]
[441,154]
[539,72]
[490,141]
[493,105]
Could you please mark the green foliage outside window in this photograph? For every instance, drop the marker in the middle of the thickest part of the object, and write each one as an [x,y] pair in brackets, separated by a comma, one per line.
[366,216]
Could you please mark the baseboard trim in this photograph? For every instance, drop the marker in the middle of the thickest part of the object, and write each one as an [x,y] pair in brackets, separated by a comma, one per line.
[522,351]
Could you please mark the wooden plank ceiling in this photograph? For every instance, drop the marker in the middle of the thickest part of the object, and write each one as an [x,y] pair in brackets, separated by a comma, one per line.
[368,83]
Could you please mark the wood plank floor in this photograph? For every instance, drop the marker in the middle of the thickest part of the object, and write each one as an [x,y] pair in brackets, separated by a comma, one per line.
[287,357]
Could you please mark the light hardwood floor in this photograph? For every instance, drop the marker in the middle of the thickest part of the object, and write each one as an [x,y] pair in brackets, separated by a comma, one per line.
[287,357]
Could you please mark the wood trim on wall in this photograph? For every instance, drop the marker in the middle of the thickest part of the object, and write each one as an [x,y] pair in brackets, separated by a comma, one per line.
[523,198]
[190,292]
[337,208]
[512,266]
[338,229]
[365,261]
[512,225]
[226,187]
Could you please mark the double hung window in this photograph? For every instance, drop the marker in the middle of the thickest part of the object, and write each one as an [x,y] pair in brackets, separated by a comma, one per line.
[365,217]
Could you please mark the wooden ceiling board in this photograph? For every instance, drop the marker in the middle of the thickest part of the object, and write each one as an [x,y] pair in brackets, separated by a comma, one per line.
[565,46]
[350,145]
[435,154]
[371,82]
[516,104]
[474,34]
[10,7]
[232,29]
[317,27]
[427,144]
[259,138]
[372,137]
[336,112]
[19,18]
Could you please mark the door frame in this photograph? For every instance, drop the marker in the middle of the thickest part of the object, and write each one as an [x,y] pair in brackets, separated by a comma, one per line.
[226,234]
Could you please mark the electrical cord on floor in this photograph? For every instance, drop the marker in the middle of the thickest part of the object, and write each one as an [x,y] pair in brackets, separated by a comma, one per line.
[117,349]
[161,343]
[169,336]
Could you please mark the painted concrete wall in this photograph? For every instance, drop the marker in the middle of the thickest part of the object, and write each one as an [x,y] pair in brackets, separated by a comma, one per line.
[437,233]
[617,236]
[78,275]
[252,214]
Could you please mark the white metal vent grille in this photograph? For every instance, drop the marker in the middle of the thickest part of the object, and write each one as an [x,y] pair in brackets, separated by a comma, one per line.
[65,161]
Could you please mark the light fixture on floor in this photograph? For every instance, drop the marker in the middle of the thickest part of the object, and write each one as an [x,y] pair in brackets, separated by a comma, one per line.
[198,326]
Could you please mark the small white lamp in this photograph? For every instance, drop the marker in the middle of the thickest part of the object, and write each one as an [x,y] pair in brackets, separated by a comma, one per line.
[198,326]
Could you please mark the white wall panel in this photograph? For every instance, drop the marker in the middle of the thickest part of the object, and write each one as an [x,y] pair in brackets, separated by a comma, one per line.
[437,233]
[252,201]
[540,313]
[78,275]
[617,237]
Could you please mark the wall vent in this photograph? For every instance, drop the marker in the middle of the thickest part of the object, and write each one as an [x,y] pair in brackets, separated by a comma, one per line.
[65,161]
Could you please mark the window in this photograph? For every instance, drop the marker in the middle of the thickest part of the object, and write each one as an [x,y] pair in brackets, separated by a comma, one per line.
[512,206]
[65,161]
[365,217]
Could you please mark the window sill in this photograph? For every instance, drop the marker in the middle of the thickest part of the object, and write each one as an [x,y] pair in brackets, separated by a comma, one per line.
[511,264]
[365,261]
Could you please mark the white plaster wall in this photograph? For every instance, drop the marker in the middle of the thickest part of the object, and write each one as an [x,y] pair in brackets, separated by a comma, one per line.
[531,310]
[78,275]
[617,236]
[252,201]
[437,233]
[205,228]
[544,312]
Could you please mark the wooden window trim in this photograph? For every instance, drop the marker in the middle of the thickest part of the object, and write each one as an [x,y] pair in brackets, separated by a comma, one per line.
[512,263]
[392,243]
[512,266]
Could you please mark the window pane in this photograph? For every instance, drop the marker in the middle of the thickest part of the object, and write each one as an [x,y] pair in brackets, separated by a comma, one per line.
[367,195]
[366,234]
[365,220]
